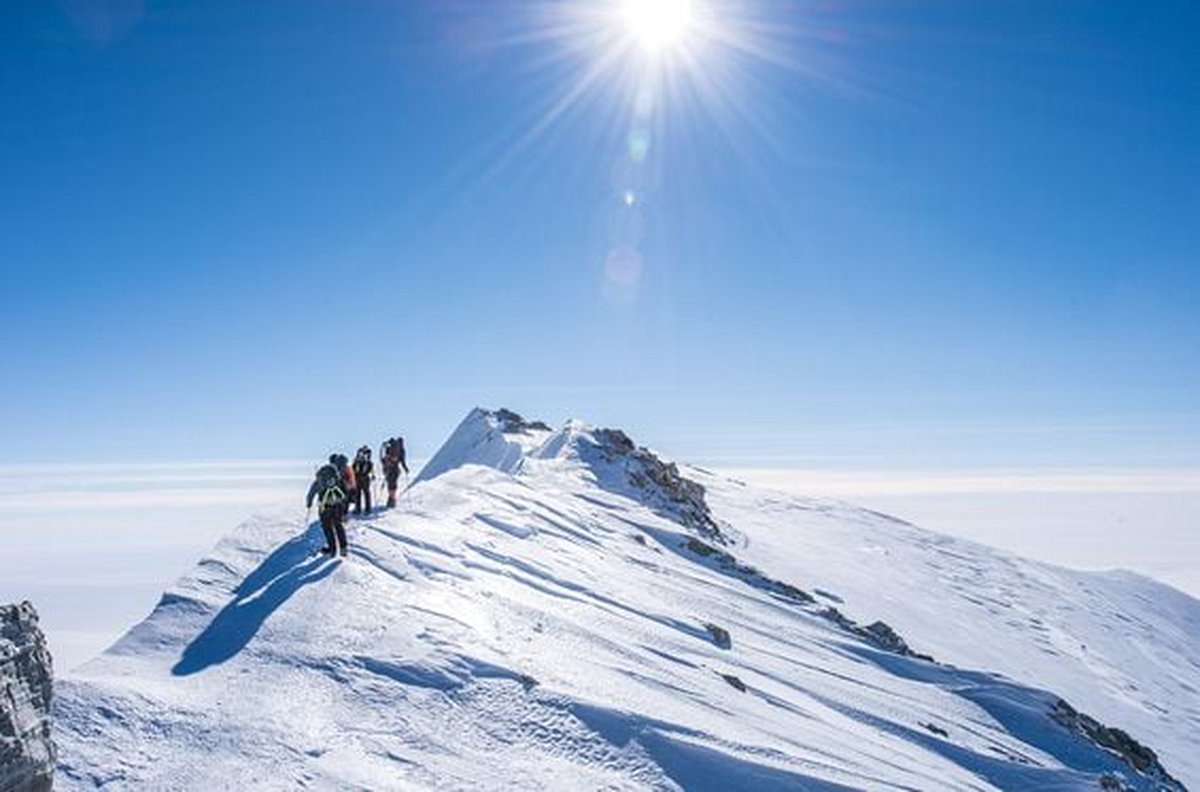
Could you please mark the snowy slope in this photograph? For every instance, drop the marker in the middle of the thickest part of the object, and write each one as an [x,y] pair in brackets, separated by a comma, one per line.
[562,610]
[1125,647]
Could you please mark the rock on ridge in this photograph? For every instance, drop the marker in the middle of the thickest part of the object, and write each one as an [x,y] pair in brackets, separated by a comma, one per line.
[512,423]
[504,440]
[651,480]
[1131,752]
[27,752]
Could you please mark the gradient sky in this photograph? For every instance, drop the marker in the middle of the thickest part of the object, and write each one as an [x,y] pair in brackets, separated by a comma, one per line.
[914,234]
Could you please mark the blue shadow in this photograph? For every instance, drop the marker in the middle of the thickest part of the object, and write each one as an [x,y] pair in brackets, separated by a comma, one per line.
[285,571]
[1023,712]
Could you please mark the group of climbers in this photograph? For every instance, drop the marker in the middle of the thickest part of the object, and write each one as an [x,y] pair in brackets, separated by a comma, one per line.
[340,483]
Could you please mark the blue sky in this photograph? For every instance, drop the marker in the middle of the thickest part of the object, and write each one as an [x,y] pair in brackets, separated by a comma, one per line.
[917,234]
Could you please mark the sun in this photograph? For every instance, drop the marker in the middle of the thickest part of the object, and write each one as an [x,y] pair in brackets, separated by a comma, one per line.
[658,26]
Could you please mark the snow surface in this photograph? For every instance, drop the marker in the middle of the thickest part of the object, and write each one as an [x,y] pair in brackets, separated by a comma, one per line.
[527,619]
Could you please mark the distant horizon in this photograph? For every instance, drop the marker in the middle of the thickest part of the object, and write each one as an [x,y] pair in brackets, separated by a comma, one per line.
[62,521]
[893,445]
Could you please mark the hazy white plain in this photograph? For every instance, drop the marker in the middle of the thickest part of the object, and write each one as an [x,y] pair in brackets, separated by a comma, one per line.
[1147,521]
[93,546]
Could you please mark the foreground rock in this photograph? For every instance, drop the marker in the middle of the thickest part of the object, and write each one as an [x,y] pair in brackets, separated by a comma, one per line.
[26,748]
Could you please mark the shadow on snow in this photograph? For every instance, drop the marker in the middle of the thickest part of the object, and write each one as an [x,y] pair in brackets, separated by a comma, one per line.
[285,571]
[679,753]
[1023,712]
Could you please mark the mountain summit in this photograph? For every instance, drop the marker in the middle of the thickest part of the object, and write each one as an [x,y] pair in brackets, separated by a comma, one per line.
[565,609]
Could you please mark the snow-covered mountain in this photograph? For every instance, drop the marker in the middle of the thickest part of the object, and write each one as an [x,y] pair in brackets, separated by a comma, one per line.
[565,610]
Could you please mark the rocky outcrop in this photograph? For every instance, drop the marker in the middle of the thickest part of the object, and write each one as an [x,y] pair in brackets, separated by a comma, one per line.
[1117,741]
[26,748]
[878,633]
[512,423]
[719,635]
[725,562]
[658,484]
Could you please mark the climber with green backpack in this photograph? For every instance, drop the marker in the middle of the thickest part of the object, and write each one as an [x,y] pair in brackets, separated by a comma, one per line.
[329,491]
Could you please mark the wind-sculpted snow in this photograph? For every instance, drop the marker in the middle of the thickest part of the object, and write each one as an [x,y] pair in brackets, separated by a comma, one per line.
[499,439]
[532,620]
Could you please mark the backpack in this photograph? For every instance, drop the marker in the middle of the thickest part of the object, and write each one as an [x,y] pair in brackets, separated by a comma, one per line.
[389,451]
[329,487]
[362,466]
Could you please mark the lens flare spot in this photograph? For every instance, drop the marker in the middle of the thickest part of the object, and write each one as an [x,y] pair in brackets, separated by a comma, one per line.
[639,145]
[624,267]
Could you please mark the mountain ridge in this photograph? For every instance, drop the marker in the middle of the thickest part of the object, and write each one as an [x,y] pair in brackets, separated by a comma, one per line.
[509,545]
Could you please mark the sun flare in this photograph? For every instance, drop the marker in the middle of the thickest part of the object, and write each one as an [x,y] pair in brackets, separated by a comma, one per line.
[658,25]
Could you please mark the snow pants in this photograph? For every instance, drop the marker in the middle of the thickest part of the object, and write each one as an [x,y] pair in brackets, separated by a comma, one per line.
[335,529]
[391,475]
[362,495]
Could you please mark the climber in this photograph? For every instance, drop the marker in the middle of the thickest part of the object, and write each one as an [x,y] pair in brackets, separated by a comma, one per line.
[391,457]
[342,465]
[328,489]
[363,470]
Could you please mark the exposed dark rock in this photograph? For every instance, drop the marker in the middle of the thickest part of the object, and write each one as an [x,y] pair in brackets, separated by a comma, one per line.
[726,563]
[1114,783]
[512,423]
[791,592]
[26,680]
[839,618]
[719,635]
[700,548]
[1131,752]
[879,634]
[734,682]
[882,635]
[938,730]
[660,483]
